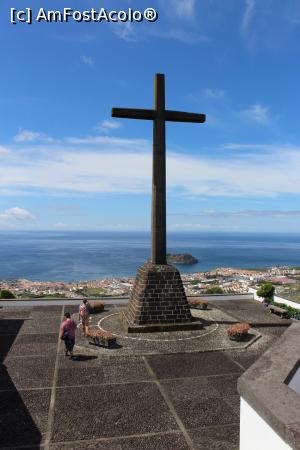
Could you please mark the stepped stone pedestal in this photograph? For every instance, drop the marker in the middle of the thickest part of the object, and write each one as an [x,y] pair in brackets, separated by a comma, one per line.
[158,302]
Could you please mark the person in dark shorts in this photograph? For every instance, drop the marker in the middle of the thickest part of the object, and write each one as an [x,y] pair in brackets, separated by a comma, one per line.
[67,333]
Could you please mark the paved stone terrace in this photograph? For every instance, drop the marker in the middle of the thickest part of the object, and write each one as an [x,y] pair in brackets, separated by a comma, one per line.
[114,402]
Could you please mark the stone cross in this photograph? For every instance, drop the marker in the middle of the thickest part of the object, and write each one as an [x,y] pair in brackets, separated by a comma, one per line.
[159,115]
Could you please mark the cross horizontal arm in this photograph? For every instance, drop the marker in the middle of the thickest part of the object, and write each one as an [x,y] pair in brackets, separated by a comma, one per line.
[125,113]
[177,116]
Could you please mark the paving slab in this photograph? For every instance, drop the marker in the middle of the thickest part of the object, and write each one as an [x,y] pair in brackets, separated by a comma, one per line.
[34,349]
[23,417]
[166,441]
[27,372]
[209,387]
[51,309]
[15,313]
[107,371]
[100,411]
[11,326]
[47,325]
[216,438]
[45,338]
[197,412]
[192,365]
[6,342]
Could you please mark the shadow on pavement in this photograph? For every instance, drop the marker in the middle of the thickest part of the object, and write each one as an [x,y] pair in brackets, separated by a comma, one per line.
[17,426]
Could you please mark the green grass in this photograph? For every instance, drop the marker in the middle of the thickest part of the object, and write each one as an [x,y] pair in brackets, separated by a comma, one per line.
[93,292]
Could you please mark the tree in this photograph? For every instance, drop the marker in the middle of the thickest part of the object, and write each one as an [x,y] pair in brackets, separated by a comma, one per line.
[266,291]
[5,293]
[214,290]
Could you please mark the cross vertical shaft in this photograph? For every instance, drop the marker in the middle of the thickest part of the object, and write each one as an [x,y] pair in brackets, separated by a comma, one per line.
[158,225]
[159,115]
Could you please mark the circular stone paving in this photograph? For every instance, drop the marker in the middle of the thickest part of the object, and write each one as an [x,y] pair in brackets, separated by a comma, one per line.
[113,324]
[213,336]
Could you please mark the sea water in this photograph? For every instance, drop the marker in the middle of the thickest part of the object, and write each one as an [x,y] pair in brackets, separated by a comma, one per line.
[71,256]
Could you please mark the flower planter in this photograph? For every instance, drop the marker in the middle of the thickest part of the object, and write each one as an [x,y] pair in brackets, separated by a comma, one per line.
[238,332]
[197,304]
[238,337]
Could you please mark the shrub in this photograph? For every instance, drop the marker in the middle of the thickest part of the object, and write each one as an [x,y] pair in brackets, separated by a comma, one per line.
[96,307]
[214,290]
[5,293]
[266,291]
[198,303]
[238,330]
[290,311]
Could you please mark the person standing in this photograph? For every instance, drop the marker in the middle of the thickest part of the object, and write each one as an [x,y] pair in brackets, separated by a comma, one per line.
[67,333]
[84,316]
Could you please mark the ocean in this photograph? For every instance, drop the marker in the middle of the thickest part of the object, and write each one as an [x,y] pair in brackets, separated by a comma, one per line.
[71,256]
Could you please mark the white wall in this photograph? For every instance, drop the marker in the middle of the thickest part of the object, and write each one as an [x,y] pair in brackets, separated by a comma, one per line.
[211,297]
[255,433]
[276,299]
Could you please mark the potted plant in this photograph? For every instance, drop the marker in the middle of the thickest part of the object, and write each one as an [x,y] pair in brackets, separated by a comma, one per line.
[198,304]
[238,331]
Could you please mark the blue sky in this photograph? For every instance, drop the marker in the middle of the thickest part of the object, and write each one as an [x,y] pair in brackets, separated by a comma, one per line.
[65,164]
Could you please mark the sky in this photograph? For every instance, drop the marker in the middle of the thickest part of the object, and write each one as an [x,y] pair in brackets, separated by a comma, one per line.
[67,165]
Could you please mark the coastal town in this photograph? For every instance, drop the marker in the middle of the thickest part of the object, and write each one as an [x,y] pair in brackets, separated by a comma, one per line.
[221,280]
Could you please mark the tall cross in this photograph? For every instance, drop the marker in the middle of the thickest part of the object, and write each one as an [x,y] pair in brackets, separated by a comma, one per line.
[159,115]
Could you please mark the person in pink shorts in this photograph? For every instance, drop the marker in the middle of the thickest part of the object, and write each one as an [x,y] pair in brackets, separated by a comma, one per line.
[67,333]
[84,316]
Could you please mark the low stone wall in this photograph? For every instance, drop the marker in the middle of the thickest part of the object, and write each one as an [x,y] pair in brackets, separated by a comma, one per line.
[276,299]
[270,409]
[212,297]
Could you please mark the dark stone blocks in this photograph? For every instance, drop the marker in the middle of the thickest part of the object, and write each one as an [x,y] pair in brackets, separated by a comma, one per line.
[157,299]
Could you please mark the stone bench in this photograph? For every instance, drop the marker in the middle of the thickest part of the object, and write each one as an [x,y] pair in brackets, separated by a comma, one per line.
[277,310]
[101,337]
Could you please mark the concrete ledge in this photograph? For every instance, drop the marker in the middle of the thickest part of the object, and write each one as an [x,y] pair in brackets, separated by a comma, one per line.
[264,387]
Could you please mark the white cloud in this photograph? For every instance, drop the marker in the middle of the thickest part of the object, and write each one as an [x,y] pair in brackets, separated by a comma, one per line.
[117,143]
[16,213]
[107,164]
[184,9]
[4,151]
[248,15]
[88,60]
[125,31]
[180,35]
[60,226]
[200,226]
[32,136]
[108,125]
[257,113]
[244,214]
[215,94]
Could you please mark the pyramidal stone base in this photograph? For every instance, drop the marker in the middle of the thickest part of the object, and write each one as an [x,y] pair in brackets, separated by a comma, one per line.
[158,302]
